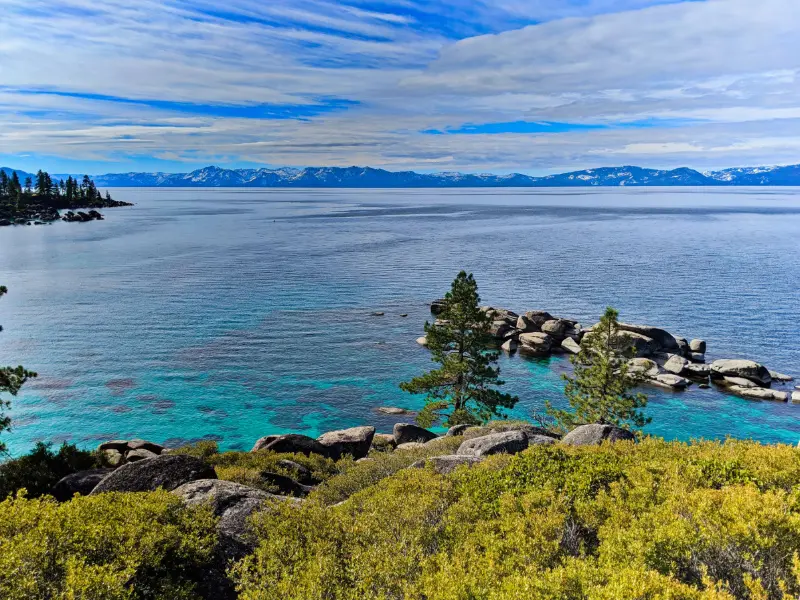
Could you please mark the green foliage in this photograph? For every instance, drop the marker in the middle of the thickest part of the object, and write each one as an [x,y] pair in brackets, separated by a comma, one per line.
[11,380]
[106,547]
[38,471]
[654,520]
[356,476]
[462,389]
[600,389]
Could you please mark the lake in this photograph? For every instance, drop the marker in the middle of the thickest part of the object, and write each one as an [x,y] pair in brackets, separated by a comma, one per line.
[231,314]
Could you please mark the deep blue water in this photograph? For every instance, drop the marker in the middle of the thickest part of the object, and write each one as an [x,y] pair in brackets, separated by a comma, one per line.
[234,314]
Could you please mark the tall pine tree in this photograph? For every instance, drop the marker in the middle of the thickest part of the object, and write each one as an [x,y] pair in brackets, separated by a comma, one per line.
[600,390]
[463,388]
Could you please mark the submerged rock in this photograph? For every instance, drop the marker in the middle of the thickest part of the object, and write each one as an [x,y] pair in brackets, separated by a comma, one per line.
[760,394]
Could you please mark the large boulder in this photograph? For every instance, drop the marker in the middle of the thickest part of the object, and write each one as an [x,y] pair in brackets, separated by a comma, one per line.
[665,341]
[526,325]
[538,344]
[444,465]
[405,433]
[140,454]
[168,471]
[355,441]
[698,346]
[538,318]
[556,328]
[571,346]
[698,371]
[780,377]
[509,442]
[643,346]
[510,346]
[644,366]
[670,381]
[760,394]
[501,330]
[676,365]
[233,504]
[741,368]
[595,434]
[739,382]
[295,443]
[82,482]
[262,443]
[531,431]
[795,398]
[457,430]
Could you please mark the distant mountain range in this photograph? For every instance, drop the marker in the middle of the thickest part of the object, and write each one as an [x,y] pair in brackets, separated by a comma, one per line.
[366,177]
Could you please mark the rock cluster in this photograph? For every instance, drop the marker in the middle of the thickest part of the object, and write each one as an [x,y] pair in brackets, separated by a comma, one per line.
[81,217]
[119,452]
[665,360]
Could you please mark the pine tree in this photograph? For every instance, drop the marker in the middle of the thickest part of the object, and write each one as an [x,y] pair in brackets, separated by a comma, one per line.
[41,184]
[11,380]
[462,389]
[599,391]
[28,186]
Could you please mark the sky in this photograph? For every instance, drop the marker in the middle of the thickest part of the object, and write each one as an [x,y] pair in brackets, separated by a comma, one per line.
[531,86]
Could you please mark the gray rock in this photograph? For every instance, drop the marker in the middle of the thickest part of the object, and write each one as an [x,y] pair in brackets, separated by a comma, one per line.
[739,382]
[263,442]
[571,346]
[538,317]
[741,368]
[795,397]
[644,366]
[169,472]
[422,341]
[113,458]
[698,346]
[595,434]
[456,430]
[294,443]
[355,441]
[301,473]
[529,430]
[698,371]
[509,442]
[760,394]
[120,446]
[670,381]
[500,330]
[144,445]
[408,432]
[393,410]
[526,325]
[501,314]
[233,504]
[665,341]
[780,377]
[140,454]
[411,446]
[381,441]
[82,482]
[438,306]
[510,346]
[697,357]
[535,343]
[556,328]
[444,465]
[683,347]
[676,365]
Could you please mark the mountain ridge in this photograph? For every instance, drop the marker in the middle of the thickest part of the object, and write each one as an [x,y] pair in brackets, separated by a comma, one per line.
[369,177]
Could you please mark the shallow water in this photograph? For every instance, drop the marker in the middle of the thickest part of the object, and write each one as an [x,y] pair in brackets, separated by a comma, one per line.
[233,314]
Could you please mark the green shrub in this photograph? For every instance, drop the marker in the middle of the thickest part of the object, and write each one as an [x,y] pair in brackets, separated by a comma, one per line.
[654,520]
[111,546]
[40,470]
[356,476]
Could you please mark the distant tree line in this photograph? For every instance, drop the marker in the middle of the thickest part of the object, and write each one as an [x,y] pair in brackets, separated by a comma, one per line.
[46,191]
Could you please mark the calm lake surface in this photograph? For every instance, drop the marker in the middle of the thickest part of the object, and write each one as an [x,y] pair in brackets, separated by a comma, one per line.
[233,314]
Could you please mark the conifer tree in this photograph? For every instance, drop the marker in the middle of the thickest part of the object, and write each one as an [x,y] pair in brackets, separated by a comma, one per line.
[462,389]
[11,380]
[600,390]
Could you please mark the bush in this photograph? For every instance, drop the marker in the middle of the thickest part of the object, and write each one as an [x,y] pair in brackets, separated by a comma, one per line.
[654,520]
[356,476]
[107,547]
[40,470]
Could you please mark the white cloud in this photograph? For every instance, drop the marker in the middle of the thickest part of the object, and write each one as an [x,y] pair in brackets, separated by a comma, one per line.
[731,66]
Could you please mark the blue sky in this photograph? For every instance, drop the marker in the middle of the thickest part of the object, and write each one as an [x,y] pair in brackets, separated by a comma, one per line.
[535,86]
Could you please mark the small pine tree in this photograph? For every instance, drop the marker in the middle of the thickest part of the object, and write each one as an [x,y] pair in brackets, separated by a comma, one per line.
[599,391]
[462,389]
[11,380]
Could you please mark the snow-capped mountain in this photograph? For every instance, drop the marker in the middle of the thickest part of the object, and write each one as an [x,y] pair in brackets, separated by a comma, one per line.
[367,177]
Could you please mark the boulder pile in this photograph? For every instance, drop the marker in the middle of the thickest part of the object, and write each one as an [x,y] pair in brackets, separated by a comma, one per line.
[666,360]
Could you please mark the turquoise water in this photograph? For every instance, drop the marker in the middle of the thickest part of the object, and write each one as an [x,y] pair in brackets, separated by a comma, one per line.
[233,314]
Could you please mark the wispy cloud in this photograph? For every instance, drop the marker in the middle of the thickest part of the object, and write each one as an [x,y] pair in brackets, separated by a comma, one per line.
[531,85]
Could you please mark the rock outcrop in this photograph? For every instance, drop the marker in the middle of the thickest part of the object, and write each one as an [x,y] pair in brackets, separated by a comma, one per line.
[355,441]
[741,368]
[408,432]
[509,442]
[168,472]
[293,443]
[595,434]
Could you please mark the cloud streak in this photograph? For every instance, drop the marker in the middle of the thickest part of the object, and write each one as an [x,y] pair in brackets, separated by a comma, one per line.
[317,82]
